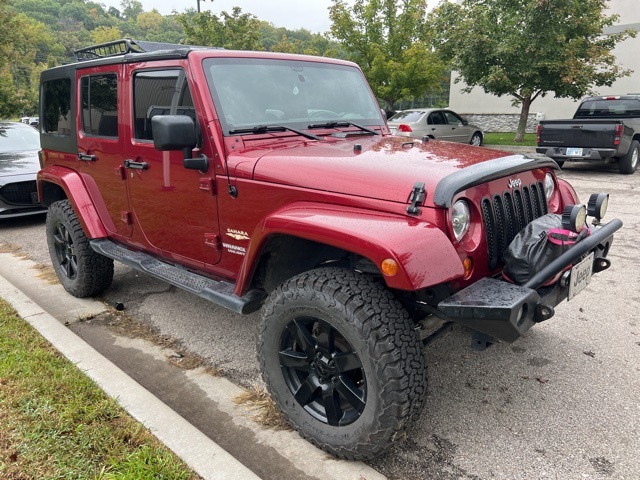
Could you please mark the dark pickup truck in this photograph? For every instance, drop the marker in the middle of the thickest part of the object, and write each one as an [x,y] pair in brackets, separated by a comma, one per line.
[603,128]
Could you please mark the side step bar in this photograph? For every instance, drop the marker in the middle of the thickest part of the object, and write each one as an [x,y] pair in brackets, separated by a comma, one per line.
[219,292]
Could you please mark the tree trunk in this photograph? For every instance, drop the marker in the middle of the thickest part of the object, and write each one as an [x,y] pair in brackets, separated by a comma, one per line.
[524,116]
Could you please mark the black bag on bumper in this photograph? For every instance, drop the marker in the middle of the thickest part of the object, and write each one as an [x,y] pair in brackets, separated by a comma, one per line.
[536,246]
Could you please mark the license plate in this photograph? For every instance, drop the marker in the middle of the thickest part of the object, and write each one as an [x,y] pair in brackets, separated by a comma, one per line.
[580,276]
[574,151]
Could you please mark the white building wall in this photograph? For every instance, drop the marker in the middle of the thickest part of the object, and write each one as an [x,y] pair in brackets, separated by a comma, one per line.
[628,54]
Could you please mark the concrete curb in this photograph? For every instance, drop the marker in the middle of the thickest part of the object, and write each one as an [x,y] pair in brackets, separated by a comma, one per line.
[198,451]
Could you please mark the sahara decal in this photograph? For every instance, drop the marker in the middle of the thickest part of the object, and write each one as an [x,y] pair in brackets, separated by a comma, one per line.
[238,234]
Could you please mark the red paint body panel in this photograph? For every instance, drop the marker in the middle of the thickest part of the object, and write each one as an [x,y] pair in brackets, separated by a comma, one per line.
[386,167]
[73,186]
[415,245]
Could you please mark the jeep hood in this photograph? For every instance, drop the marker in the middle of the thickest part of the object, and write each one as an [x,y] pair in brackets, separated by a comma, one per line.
[384,168]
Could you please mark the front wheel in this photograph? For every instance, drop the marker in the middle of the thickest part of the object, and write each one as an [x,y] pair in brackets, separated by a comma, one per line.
[629,163]
[476,139]
[81,271]
[341,358]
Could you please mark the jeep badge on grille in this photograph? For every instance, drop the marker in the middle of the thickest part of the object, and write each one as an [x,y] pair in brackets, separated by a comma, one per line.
[515,183]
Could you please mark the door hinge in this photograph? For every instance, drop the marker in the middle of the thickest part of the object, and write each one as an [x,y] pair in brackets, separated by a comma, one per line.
[213,240]
[208,185]
[119,172]
[126,217]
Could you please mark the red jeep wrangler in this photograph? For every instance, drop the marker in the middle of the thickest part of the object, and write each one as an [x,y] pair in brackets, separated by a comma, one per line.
[260,180]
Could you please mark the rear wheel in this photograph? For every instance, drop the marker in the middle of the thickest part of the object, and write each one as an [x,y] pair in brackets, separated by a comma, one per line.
[342,360]
[629,163]
[81,271]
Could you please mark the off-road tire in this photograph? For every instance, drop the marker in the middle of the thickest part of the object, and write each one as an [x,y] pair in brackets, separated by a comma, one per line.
[629,163]
[81,271]
[368,323]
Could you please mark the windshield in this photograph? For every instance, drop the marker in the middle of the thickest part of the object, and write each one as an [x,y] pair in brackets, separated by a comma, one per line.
[18,138]
[609,108]
[249,92]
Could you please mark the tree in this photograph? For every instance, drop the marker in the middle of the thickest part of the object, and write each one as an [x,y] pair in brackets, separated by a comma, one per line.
[528,48]
[390,41]
[235,31]
[105,34]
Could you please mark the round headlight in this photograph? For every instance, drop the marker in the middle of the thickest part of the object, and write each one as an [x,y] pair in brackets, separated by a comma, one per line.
[574,217]
[597,205]
[549,186]
[460,219]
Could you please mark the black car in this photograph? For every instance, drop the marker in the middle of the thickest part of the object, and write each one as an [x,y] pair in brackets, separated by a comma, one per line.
[19,145]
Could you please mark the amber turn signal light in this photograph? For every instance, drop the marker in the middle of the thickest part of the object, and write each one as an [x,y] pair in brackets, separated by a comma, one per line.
[389,267]
[467,263]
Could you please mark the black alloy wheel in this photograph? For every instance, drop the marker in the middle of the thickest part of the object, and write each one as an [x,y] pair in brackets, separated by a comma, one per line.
[65,251]
[323,371]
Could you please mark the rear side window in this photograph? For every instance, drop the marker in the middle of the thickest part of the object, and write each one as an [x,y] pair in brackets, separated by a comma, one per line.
[159,92]
[99,99]
[57,107]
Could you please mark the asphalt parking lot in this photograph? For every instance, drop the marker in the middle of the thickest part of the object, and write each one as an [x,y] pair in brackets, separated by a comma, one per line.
[563,402]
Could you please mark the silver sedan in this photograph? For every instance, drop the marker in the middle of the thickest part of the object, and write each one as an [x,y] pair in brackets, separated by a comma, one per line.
[438,123]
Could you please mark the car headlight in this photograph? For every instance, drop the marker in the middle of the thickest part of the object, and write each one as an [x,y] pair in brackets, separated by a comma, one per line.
[460,219]
[549,185]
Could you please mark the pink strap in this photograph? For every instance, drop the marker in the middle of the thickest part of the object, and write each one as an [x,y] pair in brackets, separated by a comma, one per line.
[562,237]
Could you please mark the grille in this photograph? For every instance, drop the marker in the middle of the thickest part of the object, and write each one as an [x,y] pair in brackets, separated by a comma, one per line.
[19,192]
[505,215]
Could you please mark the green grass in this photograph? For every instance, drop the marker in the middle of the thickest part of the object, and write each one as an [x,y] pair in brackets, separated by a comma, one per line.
[506,138]
[56,423]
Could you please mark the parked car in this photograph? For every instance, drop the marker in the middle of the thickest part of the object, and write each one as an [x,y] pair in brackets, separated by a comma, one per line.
[438,123]
[34,122]
[602,129]
[261,180]
[19,145]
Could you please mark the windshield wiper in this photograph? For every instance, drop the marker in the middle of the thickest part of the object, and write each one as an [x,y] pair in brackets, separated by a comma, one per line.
[275,128]
[343,124]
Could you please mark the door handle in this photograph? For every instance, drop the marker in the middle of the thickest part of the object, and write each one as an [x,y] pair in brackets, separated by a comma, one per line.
[433,129]
[86,158]
[136,165]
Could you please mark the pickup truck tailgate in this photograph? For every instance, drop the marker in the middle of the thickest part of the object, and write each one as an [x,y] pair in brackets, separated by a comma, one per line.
[578,133]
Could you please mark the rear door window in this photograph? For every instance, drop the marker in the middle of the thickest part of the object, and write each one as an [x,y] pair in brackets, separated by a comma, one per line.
[99,99]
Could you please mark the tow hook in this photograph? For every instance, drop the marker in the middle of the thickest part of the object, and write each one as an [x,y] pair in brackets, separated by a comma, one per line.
[543,312]
[601,264]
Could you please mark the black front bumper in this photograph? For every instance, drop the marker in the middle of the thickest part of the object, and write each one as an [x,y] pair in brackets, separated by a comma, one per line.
[505,310]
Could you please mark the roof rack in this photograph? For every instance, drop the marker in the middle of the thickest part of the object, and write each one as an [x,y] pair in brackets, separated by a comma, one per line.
[121,47]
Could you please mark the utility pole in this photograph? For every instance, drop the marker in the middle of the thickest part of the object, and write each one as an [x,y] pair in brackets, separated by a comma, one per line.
[199,4]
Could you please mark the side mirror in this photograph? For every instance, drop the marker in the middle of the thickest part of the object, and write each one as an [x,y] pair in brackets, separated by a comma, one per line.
[173,132]
[465,122]
[178,132]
